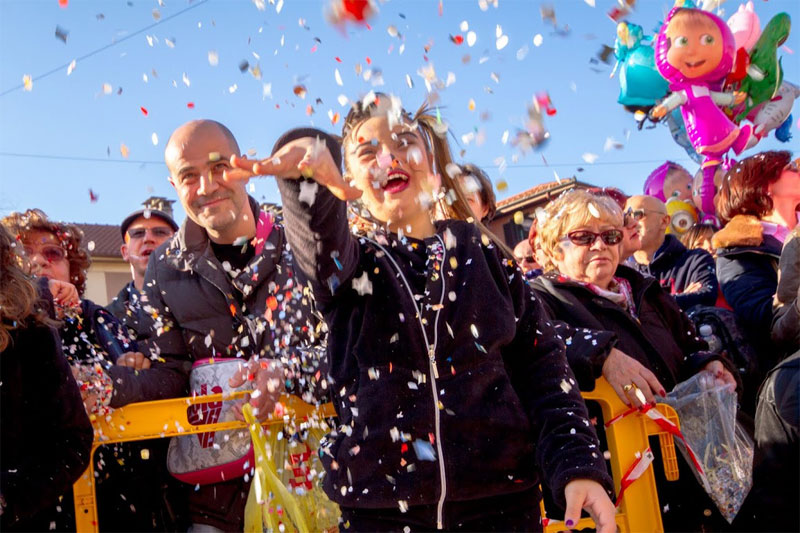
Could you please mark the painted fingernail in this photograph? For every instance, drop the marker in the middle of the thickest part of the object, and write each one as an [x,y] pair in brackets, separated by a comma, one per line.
[663,392]
[570,523]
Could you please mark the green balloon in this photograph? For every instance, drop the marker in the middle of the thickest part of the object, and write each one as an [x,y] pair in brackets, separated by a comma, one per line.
[764,75]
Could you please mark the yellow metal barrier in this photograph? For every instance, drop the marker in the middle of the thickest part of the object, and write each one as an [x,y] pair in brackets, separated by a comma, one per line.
[161,419]
[638,512]
[627,437]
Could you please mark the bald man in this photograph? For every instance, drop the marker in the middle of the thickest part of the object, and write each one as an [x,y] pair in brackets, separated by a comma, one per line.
[223,287]
[689,275]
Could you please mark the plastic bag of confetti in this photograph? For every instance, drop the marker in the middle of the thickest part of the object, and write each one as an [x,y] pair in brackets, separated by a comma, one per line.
[721,446]
[286,494]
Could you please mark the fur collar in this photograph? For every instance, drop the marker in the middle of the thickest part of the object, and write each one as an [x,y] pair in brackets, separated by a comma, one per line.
[742,230]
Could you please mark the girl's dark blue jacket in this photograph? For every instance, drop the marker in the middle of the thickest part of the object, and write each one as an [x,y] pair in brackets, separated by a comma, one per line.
[448,381]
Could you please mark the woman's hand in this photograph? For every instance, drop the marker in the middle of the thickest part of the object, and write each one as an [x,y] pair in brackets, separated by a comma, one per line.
[305,157]
[722,376]
[591,496]
[65,296]
[627,375]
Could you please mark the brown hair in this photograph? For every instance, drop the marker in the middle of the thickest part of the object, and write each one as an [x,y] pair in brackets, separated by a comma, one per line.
[693,235]
[69,235]
[18,294]
[485,190]
[744,189]
[434,135]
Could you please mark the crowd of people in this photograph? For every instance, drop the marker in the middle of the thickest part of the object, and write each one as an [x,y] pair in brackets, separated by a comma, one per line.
[454,362]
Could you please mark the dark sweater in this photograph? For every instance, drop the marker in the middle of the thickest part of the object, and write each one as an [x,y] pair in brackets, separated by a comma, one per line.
[661,336]
[45,436]
[468,398]
[677,268]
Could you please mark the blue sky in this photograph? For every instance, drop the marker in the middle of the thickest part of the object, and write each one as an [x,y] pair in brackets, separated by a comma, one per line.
[75,130]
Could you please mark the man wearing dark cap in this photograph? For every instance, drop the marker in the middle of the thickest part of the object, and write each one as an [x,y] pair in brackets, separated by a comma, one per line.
[143,231]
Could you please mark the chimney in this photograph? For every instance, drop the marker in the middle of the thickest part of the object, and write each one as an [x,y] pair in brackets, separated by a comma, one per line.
[161,203]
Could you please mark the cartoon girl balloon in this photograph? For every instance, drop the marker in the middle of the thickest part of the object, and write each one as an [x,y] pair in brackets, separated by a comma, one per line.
[694,52]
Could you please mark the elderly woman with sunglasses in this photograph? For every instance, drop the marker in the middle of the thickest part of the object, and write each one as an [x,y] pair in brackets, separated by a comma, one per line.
[585,286]
[655,347]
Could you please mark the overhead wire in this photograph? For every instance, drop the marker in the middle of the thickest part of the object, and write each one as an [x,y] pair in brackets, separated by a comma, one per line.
[106,47]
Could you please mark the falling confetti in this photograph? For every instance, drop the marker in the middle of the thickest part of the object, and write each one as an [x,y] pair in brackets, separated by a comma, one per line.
[154,138]
[61,34]
[27,82]
[92,196]
[537,39]
[213,58]
[144,111]
[519,218]
[71,67]
[299,90]
[589,157]
[124,150]
[90,246]
[472,38]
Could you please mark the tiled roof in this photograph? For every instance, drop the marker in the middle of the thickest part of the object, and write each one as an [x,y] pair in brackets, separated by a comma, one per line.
[106,238]
[541,189]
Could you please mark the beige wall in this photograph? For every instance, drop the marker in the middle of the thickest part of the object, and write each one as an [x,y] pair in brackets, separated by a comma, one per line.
[105,279]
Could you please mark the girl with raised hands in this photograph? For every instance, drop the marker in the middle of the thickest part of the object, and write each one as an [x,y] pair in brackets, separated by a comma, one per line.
[453,394]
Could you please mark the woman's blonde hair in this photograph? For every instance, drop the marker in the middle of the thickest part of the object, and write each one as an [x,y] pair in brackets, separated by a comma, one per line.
[69,236]
[18,296]
[453,203]
[571,210]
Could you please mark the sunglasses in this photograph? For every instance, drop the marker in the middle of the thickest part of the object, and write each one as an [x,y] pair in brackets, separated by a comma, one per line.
[587,238]
[50,252]
[526,259]
[139,233]
[631,216]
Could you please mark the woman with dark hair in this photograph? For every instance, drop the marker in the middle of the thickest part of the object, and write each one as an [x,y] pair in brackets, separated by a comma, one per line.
[46,436]
[478,190]
[758,201]
[699,236]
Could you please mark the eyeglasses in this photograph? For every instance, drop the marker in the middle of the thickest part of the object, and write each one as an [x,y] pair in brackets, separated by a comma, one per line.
[793,166]
[587,238]
[526,259]
[50,252]
[159,232]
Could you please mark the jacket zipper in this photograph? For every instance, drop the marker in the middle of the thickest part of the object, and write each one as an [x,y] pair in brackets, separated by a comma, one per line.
[434,372]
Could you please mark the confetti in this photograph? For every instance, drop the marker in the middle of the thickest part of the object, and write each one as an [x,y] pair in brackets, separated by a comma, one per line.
[299,91]
[213,58]
[362,284]
[519,218]
[154,138]
[27,82]
[190,105]
[596,214]
[337,77]
[537,40]
[589,157]
[143,110]
[124,150]
[61,34]
[92,196]
[502,185]
[71,67]
[472,38]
